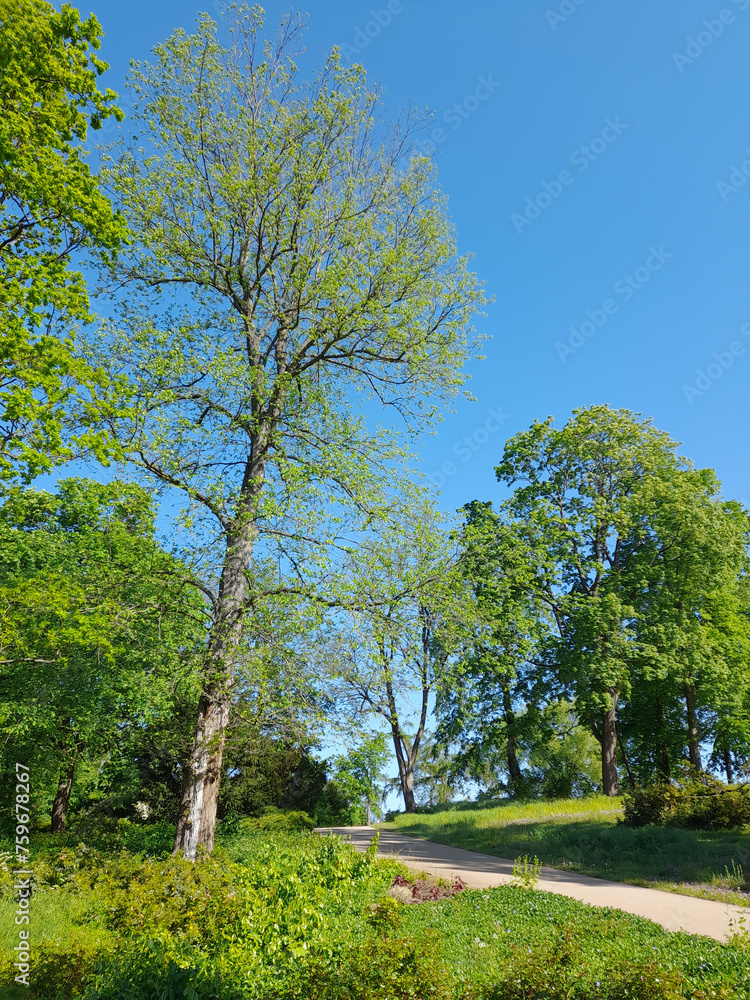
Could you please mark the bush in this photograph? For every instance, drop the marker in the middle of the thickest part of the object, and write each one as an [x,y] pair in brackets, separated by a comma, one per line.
[698,801]
[388,968]
[61,970]
[647,804]
[334,808]
[277,819]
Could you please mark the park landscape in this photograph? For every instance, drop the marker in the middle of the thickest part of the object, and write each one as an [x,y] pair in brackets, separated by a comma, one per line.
[233,613]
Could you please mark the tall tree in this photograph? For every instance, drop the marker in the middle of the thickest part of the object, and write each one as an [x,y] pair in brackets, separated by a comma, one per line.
[479,703]
[688,582]
[582,490]
[641,563]
[290,260]
[50,207]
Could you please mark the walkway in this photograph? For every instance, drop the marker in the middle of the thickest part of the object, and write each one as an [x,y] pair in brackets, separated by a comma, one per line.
[483,871]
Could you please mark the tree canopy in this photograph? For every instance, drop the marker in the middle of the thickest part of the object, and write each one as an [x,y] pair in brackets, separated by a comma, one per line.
[50,207]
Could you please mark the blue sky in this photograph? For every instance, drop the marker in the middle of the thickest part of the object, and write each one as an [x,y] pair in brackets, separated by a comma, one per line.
[643,110]
[592,153]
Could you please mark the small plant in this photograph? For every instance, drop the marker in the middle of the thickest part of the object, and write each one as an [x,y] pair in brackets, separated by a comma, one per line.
[526,872]
[384,916]
[739,932]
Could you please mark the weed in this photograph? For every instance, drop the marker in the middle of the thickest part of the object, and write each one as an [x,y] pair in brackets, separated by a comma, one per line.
[526,872]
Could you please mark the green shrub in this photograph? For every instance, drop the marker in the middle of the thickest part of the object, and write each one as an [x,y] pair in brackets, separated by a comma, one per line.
[536,979]
[649,804]
[389,968]
[277,819]
[697,801]
[61,970]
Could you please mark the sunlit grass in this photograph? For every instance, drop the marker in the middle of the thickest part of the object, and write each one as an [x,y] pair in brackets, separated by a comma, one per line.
[507,813]
[54,917]
[585,835]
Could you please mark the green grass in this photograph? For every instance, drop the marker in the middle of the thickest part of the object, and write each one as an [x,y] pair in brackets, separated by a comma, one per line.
[584,835]
[57,917]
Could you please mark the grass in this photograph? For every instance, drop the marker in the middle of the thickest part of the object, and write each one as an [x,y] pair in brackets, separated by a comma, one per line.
[584,835]
[474,938]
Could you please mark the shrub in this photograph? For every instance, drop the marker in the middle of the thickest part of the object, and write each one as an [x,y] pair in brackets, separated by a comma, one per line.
[649,804]
[277,819]
[697,801]
[62,970]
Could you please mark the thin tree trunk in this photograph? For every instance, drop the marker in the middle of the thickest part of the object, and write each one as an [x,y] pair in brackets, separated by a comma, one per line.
[406,755]
[405,761]
[663,766]
[610,781]
[694,747]
[625,760]
[408,788]
[728,764]
[62,798]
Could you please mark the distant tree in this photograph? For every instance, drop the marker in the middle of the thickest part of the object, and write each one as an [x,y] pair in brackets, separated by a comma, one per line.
[290,260]
[50,207]
[628,541]
[480,703]
[692,626]
[435,779]
[360,773]
[411,613]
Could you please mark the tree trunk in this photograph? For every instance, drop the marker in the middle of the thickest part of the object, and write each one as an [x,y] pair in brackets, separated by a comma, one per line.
[663,766]
[408,788]
[625,760]
[62,798]
[728,764]
[201,779]
[511,739]
[610,782]
[694,747]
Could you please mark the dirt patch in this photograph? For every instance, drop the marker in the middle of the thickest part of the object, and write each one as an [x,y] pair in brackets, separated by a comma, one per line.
[424,890]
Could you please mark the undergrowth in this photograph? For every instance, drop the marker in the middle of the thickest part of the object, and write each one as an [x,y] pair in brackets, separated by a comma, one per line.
[294,916]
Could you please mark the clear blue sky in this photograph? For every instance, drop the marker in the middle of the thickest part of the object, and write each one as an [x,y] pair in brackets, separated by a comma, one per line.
[550,77]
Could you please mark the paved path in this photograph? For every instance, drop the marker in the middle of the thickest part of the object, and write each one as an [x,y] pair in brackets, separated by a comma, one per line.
[483,871]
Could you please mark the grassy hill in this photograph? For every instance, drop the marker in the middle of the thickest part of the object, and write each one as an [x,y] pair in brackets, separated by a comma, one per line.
[585,835]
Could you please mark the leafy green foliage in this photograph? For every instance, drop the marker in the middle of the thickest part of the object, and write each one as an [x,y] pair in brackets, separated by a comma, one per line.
[50,205]
[699,801]
[526,872]
[292,916]
[94,614]
[277,819]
